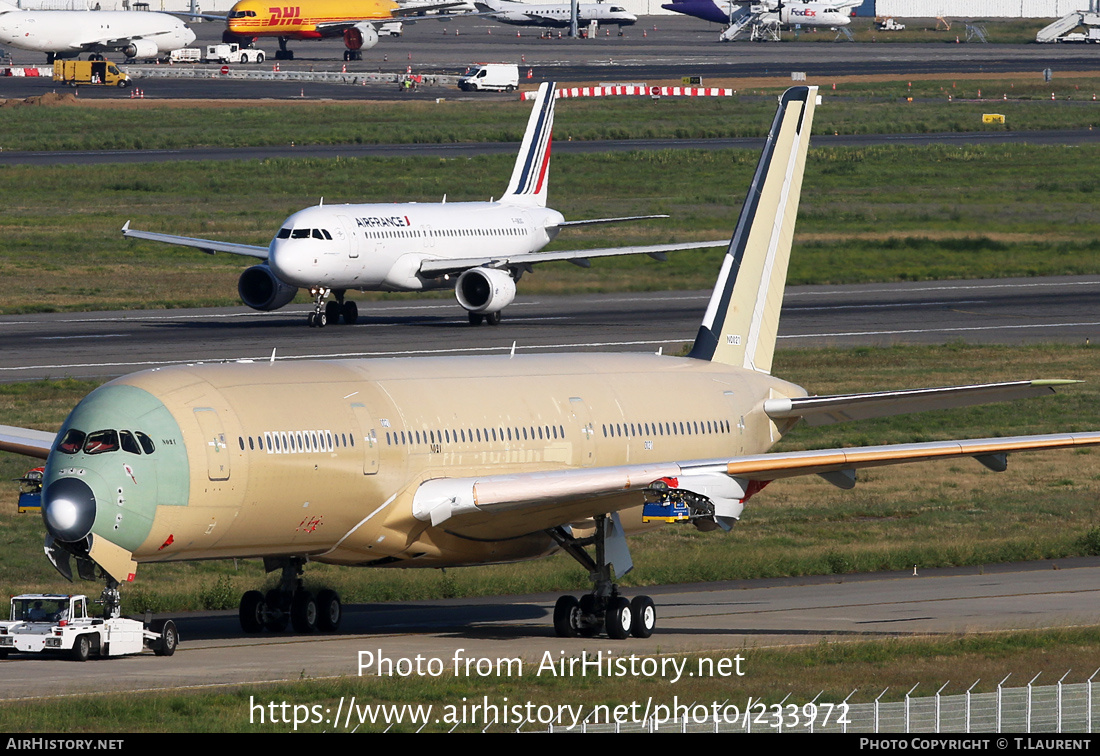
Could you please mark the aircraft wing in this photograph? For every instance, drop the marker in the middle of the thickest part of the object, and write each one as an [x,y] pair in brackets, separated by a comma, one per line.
[420,10]
[26,441]
[439,267]
[591,489]
[206,245]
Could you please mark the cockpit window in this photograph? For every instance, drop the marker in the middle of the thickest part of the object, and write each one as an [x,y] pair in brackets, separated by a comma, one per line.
[284,233]
[129,443]
[101,442]
[145,441]
[320,233]
[72,442]
[299,233]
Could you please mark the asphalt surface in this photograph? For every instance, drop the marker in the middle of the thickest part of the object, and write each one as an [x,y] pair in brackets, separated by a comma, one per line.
[660,48]
[710,617]
[107,344]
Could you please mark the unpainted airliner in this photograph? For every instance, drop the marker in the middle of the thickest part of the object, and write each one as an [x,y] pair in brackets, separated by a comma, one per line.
[555,15]
[439,462]
[67,34]
[481,249]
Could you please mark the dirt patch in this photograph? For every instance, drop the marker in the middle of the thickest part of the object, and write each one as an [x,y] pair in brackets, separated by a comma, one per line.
[50,98]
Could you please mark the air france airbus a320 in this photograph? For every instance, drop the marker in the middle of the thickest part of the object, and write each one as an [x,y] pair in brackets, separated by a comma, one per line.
[479,248]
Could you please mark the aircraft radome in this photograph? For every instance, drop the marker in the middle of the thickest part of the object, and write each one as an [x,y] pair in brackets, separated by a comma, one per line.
[438,462]
[481,249]
[67,34]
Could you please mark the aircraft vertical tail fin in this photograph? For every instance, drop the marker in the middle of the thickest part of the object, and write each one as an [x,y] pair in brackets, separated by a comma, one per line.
[532,170]
[742,319]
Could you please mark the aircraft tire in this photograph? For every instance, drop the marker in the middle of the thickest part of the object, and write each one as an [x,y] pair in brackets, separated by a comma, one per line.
[591,619]
[564,611]
[332,312]
[475,318]
[329,611]
[493,318]
[169,639]
[350,313]
[618,619]
[643,617]
[277,617]
[303,612]
[252,612]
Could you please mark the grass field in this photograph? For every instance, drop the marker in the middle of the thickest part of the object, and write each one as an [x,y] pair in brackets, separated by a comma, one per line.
[867,214]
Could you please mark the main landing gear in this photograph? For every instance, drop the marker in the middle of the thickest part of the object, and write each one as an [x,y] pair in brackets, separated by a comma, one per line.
[353,55]
[331,312]
[492,318]
[290,604]
[604,609]
[282,53]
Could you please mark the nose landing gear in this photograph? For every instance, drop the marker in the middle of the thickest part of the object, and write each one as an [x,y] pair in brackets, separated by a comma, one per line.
[333,311]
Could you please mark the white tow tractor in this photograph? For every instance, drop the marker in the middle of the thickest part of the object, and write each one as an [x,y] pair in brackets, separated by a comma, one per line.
[60,624]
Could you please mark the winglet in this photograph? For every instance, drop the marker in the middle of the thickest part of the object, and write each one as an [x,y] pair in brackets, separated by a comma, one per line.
[742,319]
[125,228]
[529,176]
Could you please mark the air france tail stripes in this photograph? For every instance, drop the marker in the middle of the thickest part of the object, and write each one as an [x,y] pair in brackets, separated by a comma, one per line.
[742,319]
[529,177]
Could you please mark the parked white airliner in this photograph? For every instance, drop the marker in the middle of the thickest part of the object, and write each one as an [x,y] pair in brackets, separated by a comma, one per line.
[479,248]
[555,15]
[67,34]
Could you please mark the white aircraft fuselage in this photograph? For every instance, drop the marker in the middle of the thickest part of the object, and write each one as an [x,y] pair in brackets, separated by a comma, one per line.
[69,33]
[381,247]
[557,15]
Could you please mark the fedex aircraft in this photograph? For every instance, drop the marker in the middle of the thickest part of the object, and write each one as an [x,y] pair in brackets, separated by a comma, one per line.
[67,34]
[769,12]
[445,461]
[478,248]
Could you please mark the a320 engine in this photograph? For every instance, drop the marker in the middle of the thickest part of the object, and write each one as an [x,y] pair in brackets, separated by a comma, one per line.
[261,289]
[485,291]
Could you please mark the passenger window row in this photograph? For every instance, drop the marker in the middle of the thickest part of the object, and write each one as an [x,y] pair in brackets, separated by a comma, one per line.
[475,435]
[674,428]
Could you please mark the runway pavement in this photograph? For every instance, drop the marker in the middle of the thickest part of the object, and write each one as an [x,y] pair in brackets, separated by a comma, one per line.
[106,344]
[711,617]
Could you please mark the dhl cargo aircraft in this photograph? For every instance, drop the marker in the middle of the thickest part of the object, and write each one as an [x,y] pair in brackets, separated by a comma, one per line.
[358,22]
[481,249]
[436,462]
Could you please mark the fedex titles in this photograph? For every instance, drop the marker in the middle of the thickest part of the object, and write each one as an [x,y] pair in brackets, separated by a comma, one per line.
[806,13]
[289,14]
[401,221]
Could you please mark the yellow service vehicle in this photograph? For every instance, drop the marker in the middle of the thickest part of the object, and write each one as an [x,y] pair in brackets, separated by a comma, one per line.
[92,72]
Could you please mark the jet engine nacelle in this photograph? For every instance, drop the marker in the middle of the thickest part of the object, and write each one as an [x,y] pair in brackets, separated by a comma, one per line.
[360,37]
[485,290]
[261,289]
[141,48]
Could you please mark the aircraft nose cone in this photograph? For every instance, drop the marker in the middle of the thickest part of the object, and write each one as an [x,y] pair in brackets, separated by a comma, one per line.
[68,507]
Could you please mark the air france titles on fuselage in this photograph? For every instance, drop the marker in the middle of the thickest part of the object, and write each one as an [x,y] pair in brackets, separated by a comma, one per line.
[381,221]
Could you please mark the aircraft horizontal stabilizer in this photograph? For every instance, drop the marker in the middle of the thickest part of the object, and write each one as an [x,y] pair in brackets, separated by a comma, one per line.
[441,499]
[440,267]
[26,441]
[206,245]
[825,410]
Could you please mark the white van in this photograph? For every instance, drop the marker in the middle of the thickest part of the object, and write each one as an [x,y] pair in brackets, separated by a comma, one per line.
[491,77]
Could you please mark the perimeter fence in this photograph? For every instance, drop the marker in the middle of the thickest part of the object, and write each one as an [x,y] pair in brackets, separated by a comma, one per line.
[1058,708]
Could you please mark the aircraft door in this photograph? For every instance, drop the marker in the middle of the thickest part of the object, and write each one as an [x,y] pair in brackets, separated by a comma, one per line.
[582,424]
[214,442]
[368,437]
[351,238]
